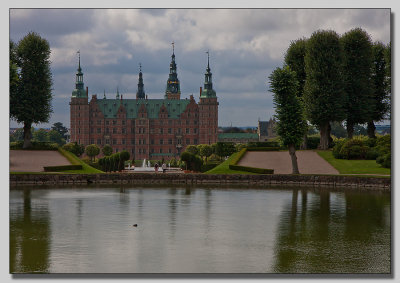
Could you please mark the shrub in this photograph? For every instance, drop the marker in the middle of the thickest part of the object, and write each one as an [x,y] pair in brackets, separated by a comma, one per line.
[92,151]
[385,160]
[263,148]
[208,166]
[372,154]
[264,144]
[313,142]
[353,149]
[338,147]
[107,150]
[75,148]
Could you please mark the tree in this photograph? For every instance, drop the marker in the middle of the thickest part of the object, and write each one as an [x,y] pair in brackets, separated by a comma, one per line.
[294,58]
[59,127]
[291,124]
[31,101]
[388,60]
[40,135]
[357,62]
[92,150]
[123,156]
[380,98]
[107,150]
[192,149]
[324,97]
[14,78]
[223,149]
[205,150]
[55,137]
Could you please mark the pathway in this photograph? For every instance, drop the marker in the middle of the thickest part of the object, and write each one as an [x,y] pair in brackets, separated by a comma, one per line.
[35,160]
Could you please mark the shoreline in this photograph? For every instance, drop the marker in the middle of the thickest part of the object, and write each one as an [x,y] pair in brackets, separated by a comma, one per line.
[359,182]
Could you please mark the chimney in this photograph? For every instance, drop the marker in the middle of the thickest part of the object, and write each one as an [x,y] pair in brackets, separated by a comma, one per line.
[87,91]
[201,89]
[121,96]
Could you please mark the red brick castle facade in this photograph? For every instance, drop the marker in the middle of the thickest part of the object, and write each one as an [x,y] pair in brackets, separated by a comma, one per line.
[147,128]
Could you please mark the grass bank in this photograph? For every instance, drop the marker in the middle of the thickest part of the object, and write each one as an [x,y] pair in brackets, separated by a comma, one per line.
[223,168]
[86,168]
[345,166]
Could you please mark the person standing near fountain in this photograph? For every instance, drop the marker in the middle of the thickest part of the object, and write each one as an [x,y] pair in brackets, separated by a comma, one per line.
[156,167]
[164,167]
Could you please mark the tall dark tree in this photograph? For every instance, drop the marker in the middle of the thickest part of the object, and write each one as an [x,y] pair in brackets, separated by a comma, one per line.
[294,58]
[31,103]
[14,78]
[59,127]
[357,50]
[324,96]
[291,123]
[380,97]
[388,60]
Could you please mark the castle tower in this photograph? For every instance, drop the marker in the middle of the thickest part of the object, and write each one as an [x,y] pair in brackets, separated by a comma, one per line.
[79,110]
[208,109]
[173,90]
[140,92]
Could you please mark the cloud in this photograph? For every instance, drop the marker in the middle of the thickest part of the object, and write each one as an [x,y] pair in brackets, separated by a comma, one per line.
[245,45]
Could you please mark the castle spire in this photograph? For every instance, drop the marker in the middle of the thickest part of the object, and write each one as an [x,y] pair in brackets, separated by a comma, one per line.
[79,90]
[208,90]
[140,92]
[173,90]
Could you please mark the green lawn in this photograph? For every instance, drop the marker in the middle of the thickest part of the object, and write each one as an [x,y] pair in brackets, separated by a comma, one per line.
[86,169]
[223,168]
[345,166]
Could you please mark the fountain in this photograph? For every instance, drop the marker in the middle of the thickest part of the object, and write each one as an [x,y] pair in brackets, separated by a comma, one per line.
[146,167]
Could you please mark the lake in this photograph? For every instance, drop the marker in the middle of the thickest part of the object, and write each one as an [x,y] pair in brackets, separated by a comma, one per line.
[198,230]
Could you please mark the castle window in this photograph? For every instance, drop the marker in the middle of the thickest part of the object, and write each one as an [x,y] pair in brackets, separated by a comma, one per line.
[195,141]
[123,122]
[169,141]
[161,141]
[144,141]
[91,130]
[169,130]
[132,141]
[144,150]
[107,122]
[98,141]
[98,122]
[123,141]
[114,141]
[98,130]
[114,130]
[91,141]
[123,130]
[114,122]
[107,130]
[107,141]
[160,150]
[187,141]
[152,141]
[187,131]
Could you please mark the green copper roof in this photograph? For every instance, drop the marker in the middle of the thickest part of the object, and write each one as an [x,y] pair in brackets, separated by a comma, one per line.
[175,108]
[237,136]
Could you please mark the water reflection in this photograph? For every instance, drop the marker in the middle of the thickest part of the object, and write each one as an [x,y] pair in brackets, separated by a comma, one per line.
[29,236]
[198,230]
[344,235]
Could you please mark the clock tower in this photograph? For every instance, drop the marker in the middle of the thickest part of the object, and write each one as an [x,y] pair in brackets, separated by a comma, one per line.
[173,90]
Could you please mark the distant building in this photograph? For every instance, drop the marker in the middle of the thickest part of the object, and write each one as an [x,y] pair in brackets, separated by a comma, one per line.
[266,130]
[238,137]
[146,128]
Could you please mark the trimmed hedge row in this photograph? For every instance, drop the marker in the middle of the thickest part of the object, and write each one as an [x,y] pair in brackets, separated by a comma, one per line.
[251,169]
[269,148]
[238,157]
[62,168]
[35,145]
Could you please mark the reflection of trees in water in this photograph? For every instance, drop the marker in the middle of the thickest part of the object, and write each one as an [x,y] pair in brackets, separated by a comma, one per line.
[340,233]
[29,237]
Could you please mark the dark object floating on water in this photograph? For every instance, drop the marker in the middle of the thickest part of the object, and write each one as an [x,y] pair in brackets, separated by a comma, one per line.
[134,225]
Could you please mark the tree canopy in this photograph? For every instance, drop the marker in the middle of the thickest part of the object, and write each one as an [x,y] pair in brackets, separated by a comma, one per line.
[30,101]
[357,62]
[324,96]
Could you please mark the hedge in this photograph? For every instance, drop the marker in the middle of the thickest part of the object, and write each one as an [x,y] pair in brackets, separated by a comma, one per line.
[35,145]
[62,168]
[251,169]
[269,148]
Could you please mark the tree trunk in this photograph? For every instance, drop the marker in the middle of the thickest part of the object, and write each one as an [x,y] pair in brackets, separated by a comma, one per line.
[27,135]
[350,129]
[324,130]
[292,152]
[371,130]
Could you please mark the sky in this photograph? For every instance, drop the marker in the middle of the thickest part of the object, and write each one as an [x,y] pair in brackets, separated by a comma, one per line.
[245,46]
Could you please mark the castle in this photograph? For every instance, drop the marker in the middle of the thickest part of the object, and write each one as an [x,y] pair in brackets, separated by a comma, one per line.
[146,128]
